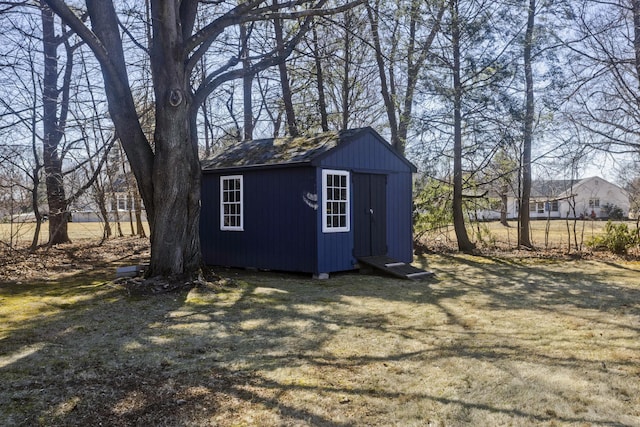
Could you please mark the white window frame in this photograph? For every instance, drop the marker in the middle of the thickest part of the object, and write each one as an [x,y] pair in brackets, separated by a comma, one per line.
[536,207]
[594,202]
[327,202]
[238,203]
[124,203]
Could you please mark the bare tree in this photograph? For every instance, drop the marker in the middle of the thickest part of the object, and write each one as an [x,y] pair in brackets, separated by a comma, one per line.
[168,172]
[464,244]
[524,238]
[406,50]
[606,64]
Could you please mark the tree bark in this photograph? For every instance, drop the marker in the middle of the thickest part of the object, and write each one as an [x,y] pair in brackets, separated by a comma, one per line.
[292,127]
[414,66]
[52,133]
[169,178]
[524,234]
[168,171]
[247,85]
[322,103]
[176,168]
[504,201]
[384,88]
[346,71]
[464,244]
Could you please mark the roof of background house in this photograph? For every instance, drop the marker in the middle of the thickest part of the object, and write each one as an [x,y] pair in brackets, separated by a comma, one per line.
[552,187]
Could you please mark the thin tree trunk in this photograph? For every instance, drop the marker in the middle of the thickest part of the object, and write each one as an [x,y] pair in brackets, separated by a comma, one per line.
[287,97]
[464,244]
[525,219]
[346,71]
[138,212]
[35,178]
[635,6]
[247,85]
[504,201]
[322,102]
[384,88]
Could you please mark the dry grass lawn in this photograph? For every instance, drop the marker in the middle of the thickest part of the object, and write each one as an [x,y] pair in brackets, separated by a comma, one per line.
[488,341]
[545,235]
[22,233]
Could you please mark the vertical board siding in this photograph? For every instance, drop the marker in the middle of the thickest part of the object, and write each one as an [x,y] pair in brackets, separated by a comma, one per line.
[279,222]
[399,216]
[335,250]
[283,212]
[368,152]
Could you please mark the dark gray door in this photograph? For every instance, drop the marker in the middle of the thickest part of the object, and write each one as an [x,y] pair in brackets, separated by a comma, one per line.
[369,214]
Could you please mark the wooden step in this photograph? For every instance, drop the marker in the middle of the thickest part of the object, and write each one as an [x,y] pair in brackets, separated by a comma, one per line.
[394,267]
[394,264]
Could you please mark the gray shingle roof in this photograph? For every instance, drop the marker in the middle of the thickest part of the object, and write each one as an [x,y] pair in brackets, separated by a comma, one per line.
[276,151]
[552,188]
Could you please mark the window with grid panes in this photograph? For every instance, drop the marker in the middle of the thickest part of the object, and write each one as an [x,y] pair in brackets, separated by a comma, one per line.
[335,208]
[231,208]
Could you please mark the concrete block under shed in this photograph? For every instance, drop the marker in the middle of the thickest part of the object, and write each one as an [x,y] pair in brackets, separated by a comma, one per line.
[130,271]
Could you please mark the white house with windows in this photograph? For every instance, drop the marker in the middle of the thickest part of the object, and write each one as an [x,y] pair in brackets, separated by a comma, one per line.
[583,198]
[588,197]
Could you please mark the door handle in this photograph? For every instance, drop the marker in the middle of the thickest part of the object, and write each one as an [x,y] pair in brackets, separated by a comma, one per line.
[371,211]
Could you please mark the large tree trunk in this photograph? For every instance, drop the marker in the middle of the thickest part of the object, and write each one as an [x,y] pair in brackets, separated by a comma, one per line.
[524,234]
[464,244]
[175,239]
[52,134]
[168,171]
[169,178]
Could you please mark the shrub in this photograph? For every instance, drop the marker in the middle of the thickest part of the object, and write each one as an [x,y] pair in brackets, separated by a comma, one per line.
[432,207]
[617,238]
[613,211]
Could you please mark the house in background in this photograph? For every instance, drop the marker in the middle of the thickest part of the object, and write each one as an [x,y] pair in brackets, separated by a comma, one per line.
[588,197]
[316,205]
[582,198]
[121,201]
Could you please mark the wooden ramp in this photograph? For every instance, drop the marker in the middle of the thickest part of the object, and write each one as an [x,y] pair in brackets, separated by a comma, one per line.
[395,268]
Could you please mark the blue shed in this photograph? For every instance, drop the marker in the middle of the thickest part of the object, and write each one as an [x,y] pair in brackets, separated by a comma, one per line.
[317,204]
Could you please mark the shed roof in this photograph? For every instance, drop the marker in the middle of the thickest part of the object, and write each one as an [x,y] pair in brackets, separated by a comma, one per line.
[282,151]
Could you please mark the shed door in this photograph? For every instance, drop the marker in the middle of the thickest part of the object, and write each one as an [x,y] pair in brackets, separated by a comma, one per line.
[369,214]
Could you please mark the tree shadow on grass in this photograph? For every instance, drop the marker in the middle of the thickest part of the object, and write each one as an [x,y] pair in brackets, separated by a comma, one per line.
[555,285]
[275,349]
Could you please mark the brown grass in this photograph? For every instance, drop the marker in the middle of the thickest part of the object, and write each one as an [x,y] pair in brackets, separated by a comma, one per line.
[545,235]
[21,234]
[488,341]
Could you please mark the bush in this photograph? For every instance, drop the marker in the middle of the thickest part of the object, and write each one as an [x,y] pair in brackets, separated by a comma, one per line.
[617,238]
[431,207]
[613,211]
